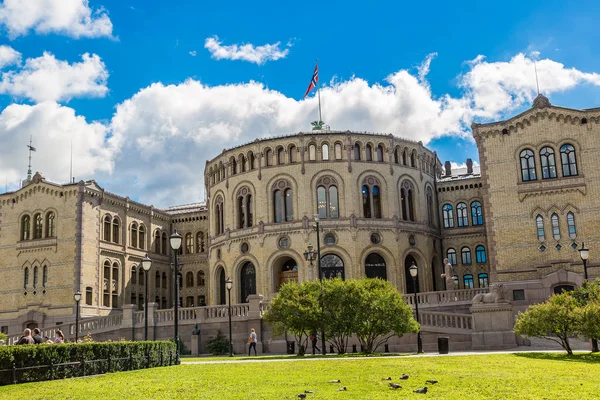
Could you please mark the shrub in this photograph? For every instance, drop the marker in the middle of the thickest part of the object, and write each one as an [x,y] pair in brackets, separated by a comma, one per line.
[78,359]
[218,345]
[4,337]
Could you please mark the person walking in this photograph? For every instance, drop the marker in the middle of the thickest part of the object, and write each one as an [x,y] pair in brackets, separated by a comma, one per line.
[314,339]
[252,341]
[26,338]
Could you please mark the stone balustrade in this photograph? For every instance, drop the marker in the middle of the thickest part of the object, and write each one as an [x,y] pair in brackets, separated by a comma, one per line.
[445,298]
[445,322]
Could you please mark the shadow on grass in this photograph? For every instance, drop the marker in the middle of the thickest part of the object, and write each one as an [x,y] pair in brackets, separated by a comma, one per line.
[587,358]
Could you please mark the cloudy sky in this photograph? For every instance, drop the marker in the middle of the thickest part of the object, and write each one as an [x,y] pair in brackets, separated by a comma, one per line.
[146,90]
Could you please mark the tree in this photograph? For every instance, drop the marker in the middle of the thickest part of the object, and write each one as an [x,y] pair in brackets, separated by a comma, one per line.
[557,319]
[382,313]
[341,302]
[588,297]
[296,309]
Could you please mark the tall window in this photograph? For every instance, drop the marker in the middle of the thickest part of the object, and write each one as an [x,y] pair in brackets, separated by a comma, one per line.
[461,214]
[189,279]
[282,201]
[429,202]
[26,227]
[45,276]
[268,157]
[280,156]
[37,232]
[200,281]
[480,254]
[106,284]
[371,196]
[555,227]
[244,205]
[189,243]
[243,163]
[164,280]
[133,276]
[327,198]
[466,255]
[548,163]
[476,213]
[357,151]
[116,228]
[157,281]
[539,222]
[312,152]
[380,153]
[325,151]
[107,227]
[448,216]
[571,225]
[293,154]
[26,277]
[200,242]
[115,285]
[157,242]
[142,237]
[397,155]
[451,256]
[404,157]
[88,295]
[233,166]
[35,277]
[407,201]
[134,235]
[252,160]
[413,159]
[338,151]
[369,153]
[468,281]
[219,224]
[164,243]
[483,280]
[568,160]
[527,165]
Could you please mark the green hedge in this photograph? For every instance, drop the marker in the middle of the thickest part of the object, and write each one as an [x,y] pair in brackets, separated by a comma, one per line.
[87,358]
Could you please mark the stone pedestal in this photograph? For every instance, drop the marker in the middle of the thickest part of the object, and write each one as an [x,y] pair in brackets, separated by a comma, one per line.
[152,307]
[195,345]
[255,320]
[128,324]
[493,326]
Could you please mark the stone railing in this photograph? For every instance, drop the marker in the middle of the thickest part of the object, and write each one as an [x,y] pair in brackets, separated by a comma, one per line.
[203,314]
[138,317]
[445,298]
[446,322]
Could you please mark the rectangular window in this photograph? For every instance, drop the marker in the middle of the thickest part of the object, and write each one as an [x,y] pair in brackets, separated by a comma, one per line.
[468,282]
[455,282]
[518,294]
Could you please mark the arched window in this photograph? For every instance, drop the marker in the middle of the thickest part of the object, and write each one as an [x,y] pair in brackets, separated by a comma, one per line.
[45,276]
[312,152]
[555,227]
[448,216]
[369,153]
[247,281]
[332,266]
[461,214]
[189,243]
[571,225]
[163,246]
[407,201]
[38,227]
[539,222]
[451,256]
[380,153]
[164,280]
[133,276]
[157,281]
[26,227]
[89,292]
[404,157]
[157,242]
[548,163]
[483,280]
[233,166]
[480,254]
[115,285]
[325,151]
[116,228]
[293,154]
[466,255]
[327,198]
[375,266]
[134,235]
[468,281]
[26,278]
[268,157]
[476,213]
[244,208]
[357,151]
[527,165]
[35,277]
[280,156]
[397,155]
[200,242]
[429,202]
[413,159]
[252,160]
[338,151]
[142,237]
[107,227]
[200,281]
[219,224]
[189,279]
[243,163]
[568,160]
[371,197]
[282,201]
[106,284]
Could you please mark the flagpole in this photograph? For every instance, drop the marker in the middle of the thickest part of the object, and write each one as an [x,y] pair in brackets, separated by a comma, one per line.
[319,92]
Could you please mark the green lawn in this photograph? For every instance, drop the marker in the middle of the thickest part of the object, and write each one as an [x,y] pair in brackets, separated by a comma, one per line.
[515,376]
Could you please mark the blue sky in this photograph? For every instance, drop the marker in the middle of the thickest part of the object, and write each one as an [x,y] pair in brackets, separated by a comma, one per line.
[151,95]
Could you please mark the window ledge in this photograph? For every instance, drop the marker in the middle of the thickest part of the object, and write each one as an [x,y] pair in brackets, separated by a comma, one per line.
[37,243]
[547,187]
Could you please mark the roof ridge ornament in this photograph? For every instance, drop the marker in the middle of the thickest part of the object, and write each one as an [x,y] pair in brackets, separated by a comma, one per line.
[541,101]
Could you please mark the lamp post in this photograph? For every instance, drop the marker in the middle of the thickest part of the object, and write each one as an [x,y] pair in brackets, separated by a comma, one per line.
[175,242]
[229,284]
[414,272]
[584,253]
[77,298]
[146,264]
[309,255]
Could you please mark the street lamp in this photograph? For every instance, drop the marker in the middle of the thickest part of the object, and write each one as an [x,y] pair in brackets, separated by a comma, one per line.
[414,271]
[77,298]
[229,284]
[175,242]
[584,253]
[310,256]
[146,264]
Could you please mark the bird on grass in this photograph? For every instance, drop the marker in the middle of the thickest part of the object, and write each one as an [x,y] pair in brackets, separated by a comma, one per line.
[342,389]
[432,381]
[395,385]
[308,391]
[422,390]
[387,379]
[302,396]
[404,377]
[335,381]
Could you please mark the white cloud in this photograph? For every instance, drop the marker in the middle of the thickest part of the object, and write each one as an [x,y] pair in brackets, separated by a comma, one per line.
[46,78]
[246,52]
[192,53]
[53,127]
[9,56]
[73,18]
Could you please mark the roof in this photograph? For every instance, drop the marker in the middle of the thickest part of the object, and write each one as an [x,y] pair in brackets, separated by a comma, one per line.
[186,208]
[461,173]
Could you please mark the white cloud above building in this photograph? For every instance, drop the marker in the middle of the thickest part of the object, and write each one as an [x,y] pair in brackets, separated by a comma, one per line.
[246,52]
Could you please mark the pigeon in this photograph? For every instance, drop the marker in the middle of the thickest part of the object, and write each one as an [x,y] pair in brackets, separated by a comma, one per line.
[387,379]
[404,377]
[395,385]
[422,390]
[308,391]
[432,381]
[302,396]
[342,389]
[335,381]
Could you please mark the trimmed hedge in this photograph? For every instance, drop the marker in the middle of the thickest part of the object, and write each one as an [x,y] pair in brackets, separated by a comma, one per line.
[58,361]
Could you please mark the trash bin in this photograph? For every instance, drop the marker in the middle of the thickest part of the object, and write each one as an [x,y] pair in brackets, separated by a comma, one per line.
[443,345]
[291,347]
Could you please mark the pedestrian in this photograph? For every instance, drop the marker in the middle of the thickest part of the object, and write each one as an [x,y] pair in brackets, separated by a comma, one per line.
[314,339]
[37,337]
[60,337]
[26,338]
[252,341]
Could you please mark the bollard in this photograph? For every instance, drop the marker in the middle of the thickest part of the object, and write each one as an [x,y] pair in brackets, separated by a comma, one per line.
[14,373]
[354,348]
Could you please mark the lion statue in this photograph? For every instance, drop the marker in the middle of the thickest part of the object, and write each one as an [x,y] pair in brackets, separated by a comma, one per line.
[497,294]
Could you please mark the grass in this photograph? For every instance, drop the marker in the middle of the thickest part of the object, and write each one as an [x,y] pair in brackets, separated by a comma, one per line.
[499,376]
[287,357]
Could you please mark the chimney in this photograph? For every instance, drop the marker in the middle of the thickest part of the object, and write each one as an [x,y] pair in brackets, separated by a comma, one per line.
[469,166]
[448,168]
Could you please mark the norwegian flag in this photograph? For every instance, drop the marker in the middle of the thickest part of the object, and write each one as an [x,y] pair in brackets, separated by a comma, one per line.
[313,81]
